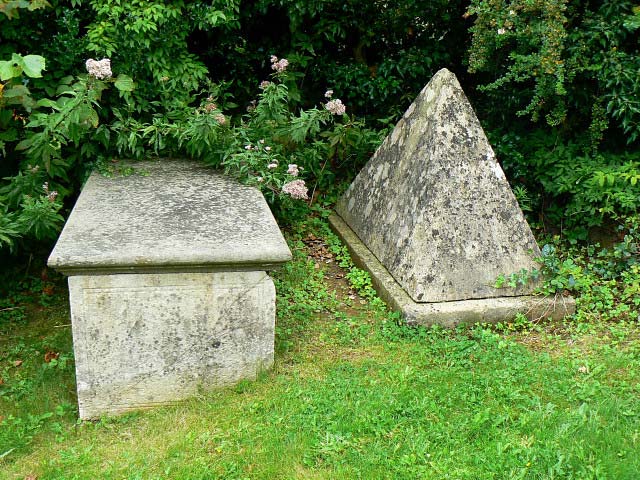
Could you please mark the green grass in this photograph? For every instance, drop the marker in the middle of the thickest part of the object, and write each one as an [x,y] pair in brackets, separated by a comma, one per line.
[352,395]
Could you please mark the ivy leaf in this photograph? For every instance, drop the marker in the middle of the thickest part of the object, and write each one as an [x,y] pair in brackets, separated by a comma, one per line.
[33,65]
[124,83]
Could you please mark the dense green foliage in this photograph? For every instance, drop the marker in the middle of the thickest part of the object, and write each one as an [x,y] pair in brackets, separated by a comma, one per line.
[566,62]
[554,82]
[571,68]
[297,113]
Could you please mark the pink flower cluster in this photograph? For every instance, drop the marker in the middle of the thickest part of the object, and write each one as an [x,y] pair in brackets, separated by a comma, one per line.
[51,194]
[101,69]
[293,169]
[264,84]
[296,189]
[336,107]
[279,65]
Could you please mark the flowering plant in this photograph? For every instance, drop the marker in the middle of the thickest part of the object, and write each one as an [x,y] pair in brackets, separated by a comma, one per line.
[46,134]
[287,154]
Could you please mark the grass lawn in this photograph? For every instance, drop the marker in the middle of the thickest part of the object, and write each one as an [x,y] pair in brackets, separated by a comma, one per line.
[352,395]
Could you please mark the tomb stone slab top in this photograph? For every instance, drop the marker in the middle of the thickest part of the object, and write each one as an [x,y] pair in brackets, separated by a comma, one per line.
[171,214]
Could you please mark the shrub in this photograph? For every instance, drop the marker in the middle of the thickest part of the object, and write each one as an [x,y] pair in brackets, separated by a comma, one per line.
[561,61]
[571,68]
[378,55]
[573,187]
[49,133]
[149,40]
[270,147]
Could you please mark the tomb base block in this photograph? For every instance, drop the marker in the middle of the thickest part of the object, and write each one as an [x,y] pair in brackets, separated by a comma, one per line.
[451,313]
[148,339]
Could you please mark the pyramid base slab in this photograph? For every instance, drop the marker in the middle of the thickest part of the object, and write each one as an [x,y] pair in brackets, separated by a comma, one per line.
[447,314]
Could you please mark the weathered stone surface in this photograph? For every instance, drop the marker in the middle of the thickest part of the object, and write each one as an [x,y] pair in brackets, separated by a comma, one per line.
[434,206]
[448,314]
[179,215]
[168,290]
[148,339]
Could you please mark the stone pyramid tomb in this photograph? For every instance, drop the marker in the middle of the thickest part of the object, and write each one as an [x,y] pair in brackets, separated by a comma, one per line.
[432,217]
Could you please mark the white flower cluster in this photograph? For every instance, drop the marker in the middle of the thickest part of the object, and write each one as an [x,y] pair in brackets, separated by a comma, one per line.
[279,65]
[336,107]
[258,147]
[101,69]
[296,189]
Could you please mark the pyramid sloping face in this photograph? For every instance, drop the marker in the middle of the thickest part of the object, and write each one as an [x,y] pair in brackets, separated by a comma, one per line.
[434,206]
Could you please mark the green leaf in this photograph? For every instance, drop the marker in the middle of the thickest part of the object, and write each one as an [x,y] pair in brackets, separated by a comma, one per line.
[17,91]
[88,115]
[46,102]
[37,4]
[9,70]
[66,80]
[19,95]
[124,83]
[9,135]
[33,65]
[611,179]
[10,9]
[26,143]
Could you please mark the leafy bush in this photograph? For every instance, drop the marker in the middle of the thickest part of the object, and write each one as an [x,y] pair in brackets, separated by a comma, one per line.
[197,65]
[268,147]
[561,61]
[571,68]
[376,55]
[574,187]
[49,133]
[149,40]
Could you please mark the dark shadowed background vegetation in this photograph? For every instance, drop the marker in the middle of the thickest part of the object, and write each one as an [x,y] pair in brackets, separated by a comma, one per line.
[554,82]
